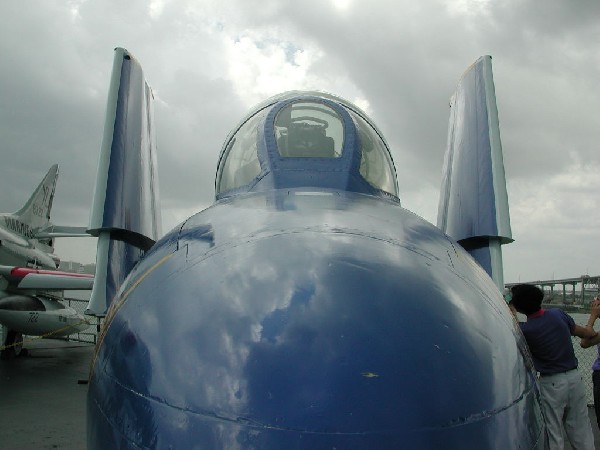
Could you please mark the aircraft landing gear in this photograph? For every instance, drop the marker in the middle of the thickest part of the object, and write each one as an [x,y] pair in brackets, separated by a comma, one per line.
[13,346]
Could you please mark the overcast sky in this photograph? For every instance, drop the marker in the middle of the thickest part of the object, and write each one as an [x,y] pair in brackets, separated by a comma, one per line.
[208,62]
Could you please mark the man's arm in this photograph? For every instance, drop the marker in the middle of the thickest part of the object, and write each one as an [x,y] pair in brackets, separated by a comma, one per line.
[590,340]
[585,333]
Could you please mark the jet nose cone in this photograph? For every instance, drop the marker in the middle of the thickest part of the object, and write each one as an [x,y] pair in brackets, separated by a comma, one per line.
[357,344]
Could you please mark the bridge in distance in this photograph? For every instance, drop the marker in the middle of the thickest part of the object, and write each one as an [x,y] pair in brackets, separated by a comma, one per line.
[578,291]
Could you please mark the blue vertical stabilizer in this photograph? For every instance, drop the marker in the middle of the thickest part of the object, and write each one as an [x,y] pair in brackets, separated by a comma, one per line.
[473,206]
[125,214]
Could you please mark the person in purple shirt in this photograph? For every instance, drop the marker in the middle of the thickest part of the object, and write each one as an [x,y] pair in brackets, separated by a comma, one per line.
[585,343]
[548,336]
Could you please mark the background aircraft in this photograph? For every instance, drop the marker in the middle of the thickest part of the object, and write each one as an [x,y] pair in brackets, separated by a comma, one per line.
[306,308]
[30,286]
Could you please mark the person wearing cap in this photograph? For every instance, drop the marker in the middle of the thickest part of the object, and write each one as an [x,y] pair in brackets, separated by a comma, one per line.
[548,335]
[588,342]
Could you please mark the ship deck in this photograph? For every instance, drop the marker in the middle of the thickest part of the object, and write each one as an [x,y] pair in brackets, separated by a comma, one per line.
[43,397]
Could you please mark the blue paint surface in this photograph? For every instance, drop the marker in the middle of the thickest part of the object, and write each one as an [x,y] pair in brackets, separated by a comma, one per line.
[311,321]
[306,309]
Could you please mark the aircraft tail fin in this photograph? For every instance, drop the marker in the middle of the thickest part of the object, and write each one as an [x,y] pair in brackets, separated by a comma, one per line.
[35,213]
[125,215]
[473,206]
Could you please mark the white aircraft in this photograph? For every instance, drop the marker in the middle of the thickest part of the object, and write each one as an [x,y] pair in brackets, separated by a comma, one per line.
[31,287]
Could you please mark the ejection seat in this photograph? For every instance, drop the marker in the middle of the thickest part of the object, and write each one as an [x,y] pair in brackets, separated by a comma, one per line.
[305,139]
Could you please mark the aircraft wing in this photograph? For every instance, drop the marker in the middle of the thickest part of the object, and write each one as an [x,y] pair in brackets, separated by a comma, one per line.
[50,280]
[61,231]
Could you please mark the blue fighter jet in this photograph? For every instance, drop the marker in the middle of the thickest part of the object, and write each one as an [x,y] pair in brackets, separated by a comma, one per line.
[306,309]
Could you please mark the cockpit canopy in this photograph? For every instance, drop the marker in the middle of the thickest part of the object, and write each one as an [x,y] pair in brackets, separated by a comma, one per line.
[306,140]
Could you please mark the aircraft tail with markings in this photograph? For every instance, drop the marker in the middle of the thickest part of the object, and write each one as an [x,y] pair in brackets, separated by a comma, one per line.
[30,285]
[35,214]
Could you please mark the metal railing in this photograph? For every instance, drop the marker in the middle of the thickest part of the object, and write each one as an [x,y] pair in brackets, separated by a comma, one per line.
[586,357]
[91,334]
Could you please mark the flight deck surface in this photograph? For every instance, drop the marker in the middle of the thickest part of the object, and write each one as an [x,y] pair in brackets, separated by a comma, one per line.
[43,397]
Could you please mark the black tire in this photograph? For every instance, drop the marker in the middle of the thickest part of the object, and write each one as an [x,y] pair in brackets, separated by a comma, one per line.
[13,345]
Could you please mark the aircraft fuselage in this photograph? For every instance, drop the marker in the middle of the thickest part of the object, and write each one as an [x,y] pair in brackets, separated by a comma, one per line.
[19,248]
[314,319]
[305,309]
[30,286]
